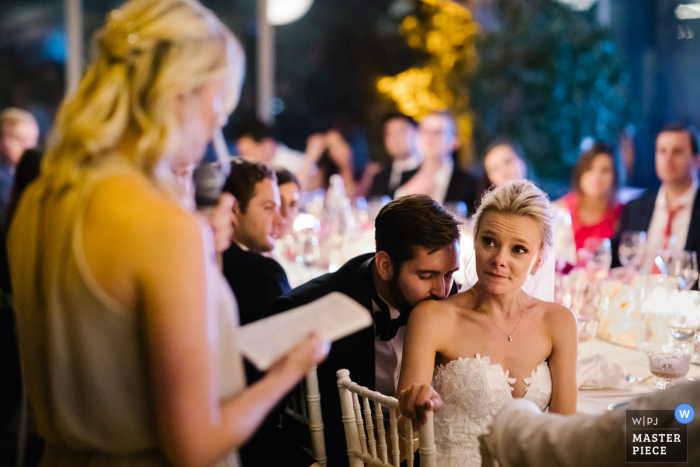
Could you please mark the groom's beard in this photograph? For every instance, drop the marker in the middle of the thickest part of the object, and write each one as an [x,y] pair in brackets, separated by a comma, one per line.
[402,302]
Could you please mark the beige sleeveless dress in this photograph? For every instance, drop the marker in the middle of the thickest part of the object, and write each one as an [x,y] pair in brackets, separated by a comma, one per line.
[84,359]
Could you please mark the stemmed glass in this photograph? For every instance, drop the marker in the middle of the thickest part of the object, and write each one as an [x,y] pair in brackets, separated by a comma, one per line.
[668,367]
[683,328]
[598,265]
[685,266]
[631,249]
[310,250]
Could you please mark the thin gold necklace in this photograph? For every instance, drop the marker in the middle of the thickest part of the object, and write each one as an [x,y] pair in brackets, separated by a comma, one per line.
[509,336]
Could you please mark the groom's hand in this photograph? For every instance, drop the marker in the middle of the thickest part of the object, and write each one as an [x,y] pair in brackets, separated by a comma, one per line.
[415,401]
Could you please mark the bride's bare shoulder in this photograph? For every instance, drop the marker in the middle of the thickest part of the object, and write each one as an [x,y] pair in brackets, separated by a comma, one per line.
[437,313]
[557,316]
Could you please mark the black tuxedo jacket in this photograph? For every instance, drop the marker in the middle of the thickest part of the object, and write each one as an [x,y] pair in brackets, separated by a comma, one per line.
[255,280]
[354,352]
[636,216]
[380,183]
[463,187]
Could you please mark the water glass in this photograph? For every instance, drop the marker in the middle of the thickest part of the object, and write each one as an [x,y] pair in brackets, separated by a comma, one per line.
[310,251]
[631,249]
[685,266]
[668,367]
[600,259]
[683,328]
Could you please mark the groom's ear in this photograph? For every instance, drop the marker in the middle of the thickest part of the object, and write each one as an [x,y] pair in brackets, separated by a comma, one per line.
[385,267]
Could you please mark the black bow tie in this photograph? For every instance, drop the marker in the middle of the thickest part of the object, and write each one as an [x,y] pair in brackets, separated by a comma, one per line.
[385,327]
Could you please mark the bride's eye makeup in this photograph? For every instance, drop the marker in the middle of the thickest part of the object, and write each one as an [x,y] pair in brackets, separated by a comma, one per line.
[487,241]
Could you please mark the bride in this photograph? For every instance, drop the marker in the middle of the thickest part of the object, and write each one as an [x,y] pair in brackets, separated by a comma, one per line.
[489,344]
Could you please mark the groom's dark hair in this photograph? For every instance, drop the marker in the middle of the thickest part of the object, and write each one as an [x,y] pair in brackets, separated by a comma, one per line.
[414,221]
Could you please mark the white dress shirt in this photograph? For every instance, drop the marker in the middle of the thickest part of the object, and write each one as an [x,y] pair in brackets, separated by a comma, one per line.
[387,356]
[679,226]
[441,182]
[399,167]
[287,158]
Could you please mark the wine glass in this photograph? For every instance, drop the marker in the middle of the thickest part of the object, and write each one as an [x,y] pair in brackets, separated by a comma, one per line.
[310,250]
[598,265]
[683,328]
[631,249]
[685,266]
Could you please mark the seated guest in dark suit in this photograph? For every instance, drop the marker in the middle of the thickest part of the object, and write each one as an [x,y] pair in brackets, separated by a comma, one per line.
[670,215]
[438,177]
[417,244]
[254,278]
[400,144]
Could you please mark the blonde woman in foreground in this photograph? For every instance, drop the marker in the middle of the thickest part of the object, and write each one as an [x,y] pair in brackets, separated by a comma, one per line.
[471,353]
[125,324]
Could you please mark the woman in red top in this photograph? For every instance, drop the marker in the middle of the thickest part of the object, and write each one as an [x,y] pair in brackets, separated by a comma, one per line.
[595,212]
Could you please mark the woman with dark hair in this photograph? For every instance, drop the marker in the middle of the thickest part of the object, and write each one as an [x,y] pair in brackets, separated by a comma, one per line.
[595,211]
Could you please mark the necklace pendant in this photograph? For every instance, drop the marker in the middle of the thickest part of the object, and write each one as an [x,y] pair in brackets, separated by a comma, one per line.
[510,338]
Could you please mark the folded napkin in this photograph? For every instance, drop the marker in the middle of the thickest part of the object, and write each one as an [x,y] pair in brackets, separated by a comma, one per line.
[595,372]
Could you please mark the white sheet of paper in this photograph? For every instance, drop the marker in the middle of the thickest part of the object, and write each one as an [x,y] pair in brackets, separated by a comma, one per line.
[333,316]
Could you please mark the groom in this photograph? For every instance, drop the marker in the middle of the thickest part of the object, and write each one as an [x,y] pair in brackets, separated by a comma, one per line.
[417,252]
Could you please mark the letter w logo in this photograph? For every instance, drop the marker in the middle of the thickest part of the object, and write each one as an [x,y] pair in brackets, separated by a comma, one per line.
[684,413]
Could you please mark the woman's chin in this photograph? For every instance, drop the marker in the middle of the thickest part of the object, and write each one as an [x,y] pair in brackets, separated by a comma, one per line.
[497,285]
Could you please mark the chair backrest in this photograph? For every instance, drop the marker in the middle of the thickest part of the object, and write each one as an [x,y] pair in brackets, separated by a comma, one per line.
[367,447]
[305,407]
[313,399]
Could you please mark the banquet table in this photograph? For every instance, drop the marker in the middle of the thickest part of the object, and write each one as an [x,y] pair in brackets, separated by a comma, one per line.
[633,362]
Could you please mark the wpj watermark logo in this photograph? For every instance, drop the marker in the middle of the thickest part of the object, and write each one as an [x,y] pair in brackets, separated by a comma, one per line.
[658,435]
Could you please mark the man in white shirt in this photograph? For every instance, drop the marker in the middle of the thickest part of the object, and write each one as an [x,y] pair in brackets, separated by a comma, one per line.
[671,215]
[521,435]
[437,176]
[255,143]
[400,144]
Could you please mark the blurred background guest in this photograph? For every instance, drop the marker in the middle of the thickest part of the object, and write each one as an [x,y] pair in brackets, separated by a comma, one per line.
[255,142]
[254,278]
[595,211]
[290,200]
[670,215]
[400,145]
[438,177]
[504,162]
[327,154]
[18,132]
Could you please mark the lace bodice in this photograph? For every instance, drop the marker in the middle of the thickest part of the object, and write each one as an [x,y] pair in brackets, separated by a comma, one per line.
[472,392]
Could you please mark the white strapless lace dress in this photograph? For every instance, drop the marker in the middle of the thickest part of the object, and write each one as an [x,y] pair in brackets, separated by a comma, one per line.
[472,392]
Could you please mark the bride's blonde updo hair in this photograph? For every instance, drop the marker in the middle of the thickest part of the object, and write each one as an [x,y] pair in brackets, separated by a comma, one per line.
[149,53]
[520,198]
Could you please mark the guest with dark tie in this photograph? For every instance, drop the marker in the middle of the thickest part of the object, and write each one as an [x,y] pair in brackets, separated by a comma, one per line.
[400,144]
[438,177]
[255,279]
[417,252]
[670,215]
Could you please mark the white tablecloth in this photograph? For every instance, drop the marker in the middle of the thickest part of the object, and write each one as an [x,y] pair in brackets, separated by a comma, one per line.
[632,361]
